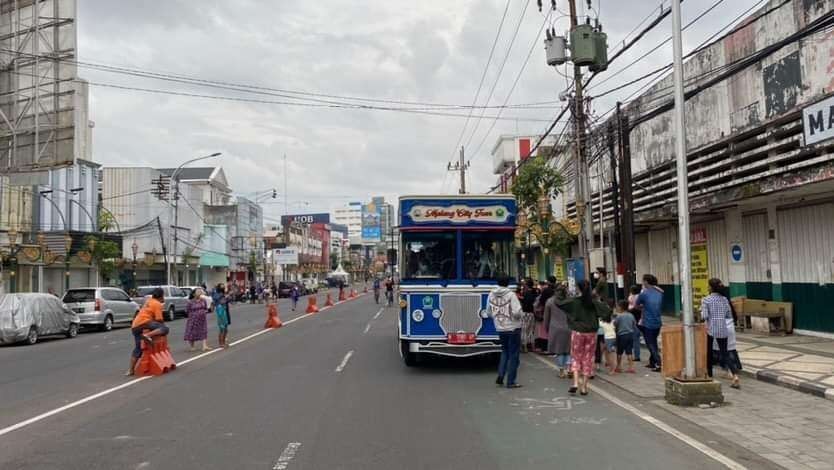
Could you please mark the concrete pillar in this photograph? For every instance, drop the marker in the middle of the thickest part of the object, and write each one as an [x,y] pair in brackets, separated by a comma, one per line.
[773,253]
[738,269]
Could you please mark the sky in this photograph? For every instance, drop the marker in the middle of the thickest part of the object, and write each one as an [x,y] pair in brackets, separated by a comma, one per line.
[429,52]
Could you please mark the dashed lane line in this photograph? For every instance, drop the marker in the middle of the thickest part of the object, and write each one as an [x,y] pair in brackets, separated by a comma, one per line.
[286,457]
[341,366]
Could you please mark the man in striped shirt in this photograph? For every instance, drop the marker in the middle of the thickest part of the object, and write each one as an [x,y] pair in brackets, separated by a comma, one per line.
[715,310]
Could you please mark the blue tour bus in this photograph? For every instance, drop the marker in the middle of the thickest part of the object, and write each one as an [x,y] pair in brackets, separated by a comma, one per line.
[453,249]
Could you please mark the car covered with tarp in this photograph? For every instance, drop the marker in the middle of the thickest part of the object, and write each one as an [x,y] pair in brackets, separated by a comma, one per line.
[29,316]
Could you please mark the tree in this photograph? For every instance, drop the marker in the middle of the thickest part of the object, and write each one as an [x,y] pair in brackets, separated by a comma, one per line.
[103,254]
[106,221]
[536,179]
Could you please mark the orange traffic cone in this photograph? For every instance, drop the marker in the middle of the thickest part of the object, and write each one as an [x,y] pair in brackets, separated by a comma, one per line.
[311,304]
[329,301]
[272,318]
[341,295]
[156,358]
[352,293]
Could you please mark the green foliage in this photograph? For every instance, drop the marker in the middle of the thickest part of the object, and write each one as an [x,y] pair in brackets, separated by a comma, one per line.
[104,254]
[536,178]
[106,222]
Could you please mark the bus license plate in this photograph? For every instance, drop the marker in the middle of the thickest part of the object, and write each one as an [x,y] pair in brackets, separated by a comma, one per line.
[461,338]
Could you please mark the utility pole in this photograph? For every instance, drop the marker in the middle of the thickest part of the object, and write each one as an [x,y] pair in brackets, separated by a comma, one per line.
[626,199]
[582,182]
[286,210]
[689,371]
[460,166]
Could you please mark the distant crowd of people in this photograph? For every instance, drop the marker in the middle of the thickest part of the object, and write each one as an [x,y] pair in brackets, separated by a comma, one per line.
[584,331]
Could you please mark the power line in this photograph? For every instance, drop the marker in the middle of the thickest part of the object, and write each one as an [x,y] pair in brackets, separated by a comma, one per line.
[500,70]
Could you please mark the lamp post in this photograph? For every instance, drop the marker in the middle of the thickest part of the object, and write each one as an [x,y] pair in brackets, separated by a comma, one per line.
[173,197]
[12,233]
[135,249]
[91,245]
[68,246]
[545,214]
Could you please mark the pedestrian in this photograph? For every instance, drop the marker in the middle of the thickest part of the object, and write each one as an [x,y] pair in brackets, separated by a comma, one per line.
[558,333]
[147,324]
[505,311]
[601,286]
[583,314]
[196,326]
[389,291]
[609,344]
[651,301]
[545,293]
[715,311]
[637,312]
[625,325]
[295,293]
[253,294]
[377,287]
[221,312]
[731,349]
[528,321]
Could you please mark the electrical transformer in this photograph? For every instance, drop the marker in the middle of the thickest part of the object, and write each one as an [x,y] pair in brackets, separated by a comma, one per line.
[583,45]
[556,50]
[601,52]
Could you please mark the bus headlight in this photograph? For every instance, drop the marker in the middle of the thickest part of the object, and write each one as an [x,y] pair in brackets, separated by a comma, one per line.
[403,303]
[436,313]
[484,314]
[417,316]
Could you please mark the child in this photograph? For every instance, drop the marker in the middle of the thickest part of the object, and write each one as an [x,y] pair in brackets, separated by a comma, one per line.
[731,349]
[625,325]
[637,312]
[610,337]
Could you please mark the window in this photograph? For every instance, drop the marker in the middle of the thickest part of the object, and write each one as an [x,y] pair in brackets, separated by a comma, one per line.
[107,294]
[488,255]
[429,255]
[79,295]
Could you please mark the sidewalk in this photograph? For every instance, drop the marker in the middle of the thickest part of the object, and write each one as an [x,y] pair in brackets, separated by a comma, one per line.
[803,363]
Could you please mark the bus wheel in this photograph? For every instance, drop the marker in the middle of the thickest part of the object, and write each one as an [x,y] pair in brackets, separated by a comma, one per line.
[409,357]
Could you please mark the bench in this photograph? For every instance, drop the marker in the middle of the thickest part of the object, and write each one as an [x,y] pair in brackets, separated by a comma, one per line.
[764,317]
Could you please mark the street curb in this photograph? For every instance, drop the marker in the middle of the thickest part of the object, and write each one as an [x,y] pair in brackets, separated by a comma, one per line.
[793,383]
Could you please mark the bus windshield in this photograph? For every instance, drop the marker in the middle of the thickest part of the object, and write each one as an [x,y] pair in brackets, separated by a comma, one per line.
[487,255]
[429,255]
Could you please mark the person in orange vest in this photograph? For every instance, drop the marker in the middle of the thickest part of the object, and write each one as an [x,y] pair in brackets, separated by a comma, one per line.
[148,318]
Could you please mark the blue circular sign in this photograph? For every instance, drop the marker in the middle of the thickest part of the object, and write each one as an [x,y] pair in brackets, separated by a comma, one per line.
[736,253]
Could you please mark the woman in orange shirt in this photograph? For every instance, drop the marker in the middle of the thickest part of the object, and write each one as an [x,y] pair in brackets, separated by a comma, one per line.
[148,318]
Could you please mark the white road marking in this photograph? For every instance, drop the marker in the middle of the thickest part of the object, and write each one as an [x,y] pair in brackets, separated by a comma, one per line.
[87,399]
[344,361]
[286,457]
[685,438]
[367,328]
[378,313]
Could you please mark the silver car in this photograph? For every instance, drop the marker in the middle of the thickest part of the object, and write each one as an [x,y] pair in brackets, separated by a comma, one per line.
[29,316]
[101,307]
[176,299]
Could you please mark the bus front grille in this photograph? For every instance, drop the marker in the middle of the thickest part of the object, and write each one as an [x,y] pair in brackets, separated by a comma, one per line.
[461,313]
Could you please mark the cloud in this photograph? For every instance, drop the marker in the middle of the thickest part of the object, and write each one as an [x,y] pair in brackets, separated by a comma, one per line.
[427,51]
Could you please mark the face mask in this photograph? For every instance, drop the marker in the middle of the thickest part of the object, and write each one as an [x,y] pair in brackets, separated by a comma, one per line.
[596,275]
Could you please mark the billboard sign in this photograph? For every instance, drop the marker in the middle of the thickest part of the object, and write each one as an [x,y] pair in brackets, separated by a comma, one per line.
[371,223]
[286,256]
[818,121]
[305,219]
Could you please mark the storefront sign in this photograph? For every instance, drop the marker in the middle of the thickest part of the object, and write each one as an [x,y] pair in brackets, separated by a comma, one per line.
[700,274]
[459,214]
[305,219]
[286,256]
[818,121]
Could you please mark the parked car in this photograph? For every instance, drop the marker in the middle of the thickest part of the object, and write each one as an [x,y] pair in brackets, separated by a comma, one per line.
[175,299]
[101,307]
[30,316]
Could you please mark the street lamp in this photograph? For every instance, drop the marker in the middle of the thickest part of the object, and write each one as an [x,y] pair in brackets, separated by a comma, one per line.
[13,259]
[135,249]
[68,246]
[172,202]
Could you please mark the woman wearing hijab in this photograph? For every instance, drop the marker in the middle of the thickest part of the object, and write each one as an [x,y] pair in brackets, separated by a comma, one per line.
[196,327]
[583,315]
[558,332]
[221,306]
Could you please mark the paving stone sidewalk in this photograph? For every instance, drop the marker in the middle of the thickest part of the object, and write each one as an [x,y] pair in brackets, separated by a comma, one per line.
[781,425]
[803,363]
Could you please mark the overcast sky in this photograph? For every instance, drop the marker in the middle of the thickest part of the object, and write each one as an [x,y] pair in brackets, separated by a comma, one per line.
[427,51]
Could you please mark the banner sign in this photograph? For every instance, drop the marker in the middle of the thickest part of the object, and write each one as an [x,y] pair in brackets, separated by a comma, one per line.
[699,259]
[459,214]
[286,256]
[305,219]
[371,223]
[818,121]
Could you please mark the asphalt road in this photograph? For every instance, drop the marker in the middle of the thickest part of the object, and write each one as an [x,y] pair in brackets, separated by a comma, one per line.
[327,391]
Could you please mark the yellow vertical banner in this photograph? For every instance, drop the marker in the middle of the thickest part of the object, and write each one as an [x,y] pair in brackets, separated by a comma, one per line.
[700,268]
[559,269]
